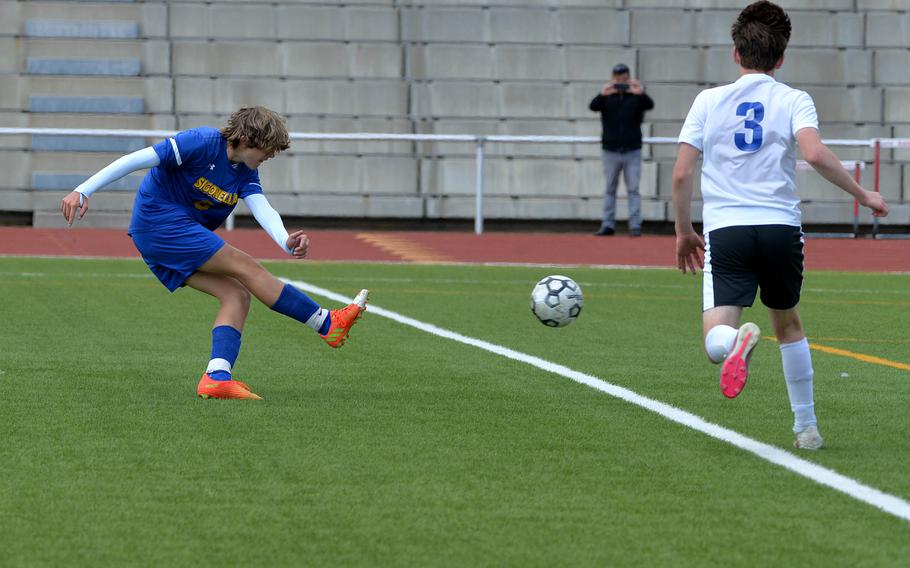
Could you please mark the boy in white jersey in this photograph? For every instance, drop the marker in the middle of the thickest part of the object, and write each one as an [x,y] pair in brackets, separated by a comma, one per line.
[747,132]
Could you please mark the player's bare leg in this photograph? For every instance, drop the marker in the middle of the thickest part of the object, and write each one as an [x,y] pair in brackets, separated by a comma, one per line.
[333,326]
[234,306]
[230,261]
[233,297]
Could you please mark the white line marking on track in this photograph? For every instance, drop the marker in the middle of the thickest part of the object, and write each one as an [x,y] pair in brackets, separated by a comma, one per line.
[889,503]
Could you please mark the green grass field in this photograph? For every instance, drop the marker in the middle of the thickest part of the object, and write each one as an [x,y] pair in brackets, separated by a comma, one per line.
[407,449]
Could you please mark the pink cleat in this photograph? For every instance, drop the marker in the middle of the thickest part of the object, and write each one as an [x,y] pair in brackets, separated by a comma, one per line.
[735,370]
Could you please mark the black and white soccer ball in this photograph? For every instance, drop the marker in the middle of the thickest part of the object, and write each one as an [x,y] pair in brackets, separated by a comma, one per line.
[556,301]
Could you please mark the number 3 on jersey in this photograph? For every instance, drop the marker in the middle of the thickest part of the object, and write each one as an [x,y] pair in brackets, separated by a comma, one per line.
[758,113]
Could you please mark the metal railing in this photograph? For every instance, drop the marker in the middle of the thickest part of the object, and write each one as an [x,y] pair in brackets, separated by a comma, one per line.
[479,153]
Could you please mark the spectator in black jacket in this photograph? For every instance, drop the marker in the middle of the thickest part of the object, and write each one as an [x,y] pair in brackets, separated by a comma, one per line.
[622,104]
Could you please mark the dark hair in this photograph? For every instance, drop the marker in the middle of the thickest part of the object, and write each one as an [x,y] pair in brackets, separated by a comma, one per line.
[760,34]
[263,129]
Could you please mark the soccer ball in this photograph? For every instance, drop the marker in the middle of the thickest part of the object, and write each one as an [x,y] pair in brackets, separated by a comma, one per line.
[556,301]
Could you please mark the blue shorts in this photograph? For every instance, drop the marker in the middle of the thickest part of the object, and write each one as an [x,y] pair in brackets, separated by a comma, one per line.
[174,253]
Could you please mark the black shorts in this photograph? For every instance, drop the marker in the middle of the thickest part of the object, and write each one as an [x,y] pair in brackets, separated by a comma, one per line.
[740,260]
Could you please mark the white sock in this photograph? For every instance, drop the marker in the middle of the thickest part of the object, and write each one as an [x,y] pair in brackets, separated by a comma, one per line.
[798,373]
[318,318]
[719,342]
[218,365]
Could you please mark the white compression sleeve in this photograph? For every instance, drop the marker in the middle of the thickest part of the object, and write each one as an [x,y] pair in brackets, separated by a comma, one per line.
[268,219]
[719,342]
[138,160]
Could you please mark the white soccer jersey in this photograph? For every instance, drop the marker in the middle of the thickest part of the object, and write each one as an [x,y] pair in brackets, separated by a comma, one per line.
[746,132]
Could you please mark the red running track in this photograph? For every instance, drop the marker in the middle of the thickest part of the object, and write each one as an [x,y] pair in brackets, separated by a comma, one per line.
[538,248]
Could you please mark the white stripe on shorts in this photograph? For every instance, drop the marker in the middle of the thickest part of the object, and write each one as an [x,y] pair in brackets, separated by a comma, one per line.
[707,278]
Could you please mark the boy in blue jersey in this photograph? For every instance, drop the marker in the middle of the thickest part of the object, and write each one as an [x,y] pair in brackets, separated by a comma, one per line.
[747,132]
[195,181]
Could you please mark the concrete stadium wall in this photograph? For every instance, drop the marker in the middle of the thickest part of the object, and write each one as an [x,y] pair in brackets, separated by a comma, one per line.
[424,66]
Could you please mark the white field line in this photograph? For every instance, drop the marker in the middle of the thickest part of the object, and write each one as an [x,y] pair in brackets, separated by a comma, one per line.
[889,503]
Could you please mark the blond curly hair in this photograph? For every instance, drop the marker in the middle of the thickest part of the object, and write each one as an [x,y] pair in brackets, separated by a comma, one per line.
[260,127]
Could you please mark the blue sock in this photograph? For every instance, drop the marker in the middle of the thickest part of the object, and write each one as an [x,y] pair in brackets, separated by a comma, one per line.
[220,375]
[326,325]
[295,304]
[225,348]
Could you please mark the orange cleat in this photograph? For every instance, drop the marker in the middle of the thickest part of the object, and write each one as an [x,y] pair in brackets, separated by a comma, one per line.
[345,318]
[210,388]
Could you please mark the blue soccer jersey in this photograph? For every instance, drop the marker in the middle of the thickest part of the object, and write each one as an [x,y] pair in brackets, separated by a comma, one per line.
[195,181]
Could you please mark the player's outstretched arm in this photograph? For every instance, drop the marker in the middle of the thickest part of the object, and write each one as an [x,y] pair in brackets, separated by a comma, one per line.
[828,165]
[689,245]
[295,244]
[77,200]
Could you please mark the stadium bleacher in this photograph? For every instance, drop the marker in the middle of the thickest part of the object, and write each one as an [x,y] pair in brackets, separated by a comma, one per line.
[432,67]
